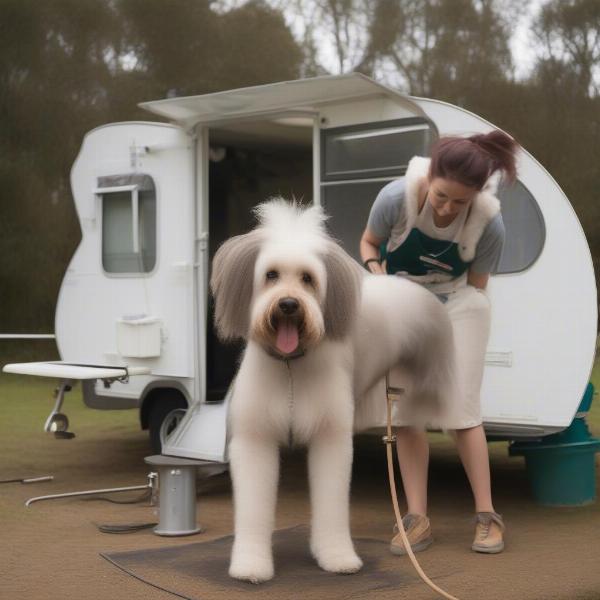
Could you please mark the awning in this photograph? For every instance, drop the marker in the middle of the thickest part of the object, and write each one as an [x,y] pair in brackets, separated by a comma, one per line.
[298,95]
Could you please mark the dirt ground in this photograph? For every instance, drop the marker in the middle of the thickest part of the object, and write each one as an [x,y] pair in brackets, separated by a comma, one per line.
[51,549]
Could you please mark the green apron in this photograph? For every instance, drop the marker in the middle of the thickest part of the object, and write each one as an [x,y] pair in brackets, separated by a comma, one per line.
[420,254]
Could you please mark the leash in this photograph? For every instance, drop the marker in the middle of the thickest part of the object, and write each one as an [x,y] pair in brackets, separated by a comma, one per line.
[389,440]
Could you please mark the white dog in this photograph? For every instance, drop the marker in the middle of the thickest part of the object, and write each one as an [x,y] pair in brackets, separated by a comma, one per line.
[320,333]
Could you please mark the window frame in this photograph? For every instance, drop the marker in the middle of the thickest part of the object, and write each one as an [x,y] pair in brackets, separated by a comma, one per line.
[134,188]
[538,211]
[370,129]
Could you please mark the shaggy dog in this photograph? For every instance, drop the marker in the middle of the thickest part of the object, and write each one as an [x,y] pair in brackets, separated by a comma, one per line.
[321,334]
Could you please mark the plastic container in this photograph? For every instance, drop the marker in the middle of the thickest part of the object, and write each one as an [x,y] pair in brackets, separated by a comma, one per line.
[139,336]
[561,467]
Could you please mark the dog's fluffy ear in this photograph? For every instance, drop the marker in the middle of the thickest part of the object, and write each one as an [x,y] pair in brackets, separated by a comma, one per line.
[232,282]
[342,296]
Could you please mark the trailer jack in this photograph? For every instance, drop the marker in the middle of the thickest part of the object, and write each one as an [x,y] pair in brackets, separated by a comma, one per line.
[57,422]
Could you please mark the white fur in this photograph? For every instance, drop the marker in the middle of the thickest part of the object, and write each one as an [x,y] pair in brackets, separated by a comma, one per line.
[312,398]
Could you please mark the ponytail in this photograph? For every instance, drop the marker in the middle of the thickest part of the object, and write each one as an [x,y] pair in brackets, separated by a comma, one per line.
[472,160]
[501,148]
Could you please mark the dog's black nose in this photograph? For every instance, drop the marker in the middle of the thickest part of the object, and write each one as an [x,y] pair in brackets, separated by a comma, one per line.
[288,306]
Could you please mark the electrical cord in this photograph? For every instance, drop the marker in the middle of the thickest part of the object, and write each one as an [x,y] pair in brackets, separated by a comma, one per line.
[124,527]
[145,496]
[154,585]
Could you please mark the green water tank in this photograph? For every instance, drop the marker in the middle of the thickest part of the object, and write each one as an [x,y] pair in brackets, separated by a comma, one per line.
[561,467]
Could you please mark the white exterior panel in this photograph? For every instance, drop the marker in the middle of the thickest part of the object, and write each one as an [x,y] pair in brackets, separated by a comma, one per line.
[546,316]
[91,301]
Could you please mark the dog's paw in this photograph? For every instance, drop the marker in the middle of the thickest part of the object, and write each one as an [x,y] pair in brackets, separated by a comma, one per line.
[338,560]
[254,569]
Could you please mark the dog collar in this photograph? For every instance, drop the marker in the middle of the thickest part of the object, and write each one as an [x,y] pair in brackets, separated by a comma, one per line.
[296,354]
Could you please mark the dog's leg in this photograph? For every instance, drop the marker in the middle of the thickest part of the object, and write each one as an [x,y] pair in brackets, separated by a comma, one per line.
[330,466]
[255,472]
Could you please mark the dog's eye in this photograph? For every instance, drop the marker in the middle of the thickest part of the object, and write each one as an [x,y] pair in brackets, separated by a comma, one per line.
[272,275]
[306,278]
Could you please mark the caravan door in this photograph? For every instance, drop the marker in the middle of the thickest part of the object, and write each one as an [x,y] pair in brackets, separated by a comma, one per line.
[128,294]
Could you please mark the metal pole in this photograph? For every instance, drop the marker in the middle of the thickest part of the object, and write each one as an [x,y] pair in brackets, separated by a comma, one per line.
[27,336]
[151,484]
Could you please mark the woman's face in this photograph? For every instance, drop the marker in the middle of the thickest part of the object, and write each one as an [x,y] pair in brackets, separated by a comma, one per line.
[449,197]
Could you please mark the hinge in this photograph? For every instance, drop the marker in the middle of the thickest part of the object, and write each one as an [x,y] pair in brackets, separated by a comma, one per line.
[202,241]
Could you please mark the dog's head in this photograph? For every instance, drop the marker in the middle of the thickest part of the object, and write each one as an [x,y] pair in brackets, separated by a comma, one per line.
[286,284]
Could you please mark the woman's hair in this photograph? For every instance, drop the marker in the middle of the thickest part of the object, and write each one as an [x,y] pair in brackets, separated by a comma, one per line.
[472,160]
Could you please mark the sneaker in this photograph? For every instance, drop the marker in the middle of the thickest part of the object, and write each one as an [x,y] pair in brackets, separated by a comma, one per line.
[418,532]
[488,533]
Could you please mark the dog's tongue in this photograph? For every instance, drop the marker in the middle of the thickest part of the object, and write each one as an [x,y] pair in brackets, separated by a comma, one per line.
[287,337]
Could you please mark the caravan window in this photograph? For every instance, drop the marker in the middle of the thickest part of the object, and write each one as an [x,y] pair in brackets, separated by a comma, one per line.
[128,223]
[357,161]
[525,228]
[373,149]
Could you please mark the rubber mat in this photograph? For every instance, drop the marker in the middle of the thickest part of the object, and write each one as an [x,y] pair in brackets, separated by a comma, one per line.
[198,571]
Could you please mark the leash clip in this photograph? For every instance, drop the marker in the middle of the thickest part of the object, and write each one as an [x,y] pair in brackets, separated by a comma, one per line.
[388,439]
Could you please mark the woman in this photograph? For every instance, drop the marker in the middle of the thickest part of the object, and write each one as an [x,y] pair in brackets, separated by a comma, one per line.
[440,225]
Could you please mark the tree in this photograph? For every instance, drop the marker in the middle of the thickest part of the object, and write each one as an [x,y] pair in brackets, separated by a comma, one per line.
[67,66]
[53,77]
[565,105]
[449,49]
[569,31]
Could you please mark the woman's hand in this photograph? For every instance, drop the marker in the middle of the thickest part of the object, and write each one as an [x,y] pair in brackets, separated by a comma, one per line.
[374,266]
[369,249]
[478,280]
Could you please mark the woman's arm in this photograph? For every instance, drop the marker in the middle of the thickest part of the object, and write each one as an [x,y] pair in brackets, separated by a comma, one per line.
[477,280]
[487,254]
[369,248]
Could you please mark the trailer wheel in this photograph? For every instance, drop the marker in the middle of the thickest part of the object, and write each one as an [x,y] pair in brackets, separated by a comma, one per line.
[164,416]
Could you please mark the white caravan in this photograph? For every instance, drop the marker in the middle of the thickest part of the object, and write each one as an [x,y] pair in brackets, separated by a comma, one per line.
[155,200]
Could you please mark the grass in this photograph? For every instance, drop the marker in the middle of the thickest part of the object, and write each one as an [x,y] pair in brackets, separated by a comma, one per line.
[25,403]
[593,417]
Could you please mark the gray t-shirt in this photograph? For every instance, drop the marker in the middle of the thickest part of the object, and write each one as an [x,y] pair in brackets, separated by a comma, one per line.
[389,208]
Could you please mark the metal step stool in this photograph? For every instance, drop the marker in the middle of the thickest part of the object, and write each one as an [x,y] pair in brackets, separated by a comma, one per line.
[177,493]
